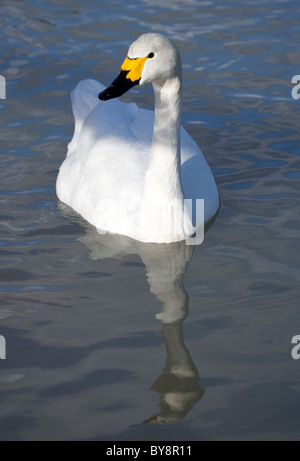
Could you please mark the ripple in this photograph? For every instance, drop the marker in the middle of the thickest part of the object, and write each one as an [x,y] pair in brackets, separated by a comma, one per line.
[30,288]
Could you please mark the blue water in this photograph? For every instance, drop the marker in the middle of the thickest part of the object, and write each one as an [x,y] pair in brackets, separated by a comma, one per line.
[104,335]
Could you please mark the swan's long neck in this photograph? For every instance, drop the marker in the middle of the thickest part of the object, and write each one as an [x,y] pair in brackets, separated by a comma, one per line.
[163,214]
[163,175]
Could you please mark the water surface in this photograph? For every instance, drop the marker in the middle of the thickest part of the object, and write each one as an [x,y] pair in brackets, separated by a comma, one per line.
[104,334]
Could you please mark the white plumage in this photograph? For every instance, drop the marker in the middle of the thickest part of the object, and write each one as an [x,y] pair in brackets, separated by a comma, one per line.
[126,174]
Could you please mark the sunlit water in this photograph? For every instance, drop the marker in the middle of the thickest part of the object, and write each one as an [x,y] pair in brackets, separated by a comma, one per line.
[105,335]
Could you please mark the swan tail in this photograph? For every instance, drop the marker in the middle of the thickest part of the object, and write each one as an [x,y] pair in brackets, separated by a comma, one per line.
[84,99]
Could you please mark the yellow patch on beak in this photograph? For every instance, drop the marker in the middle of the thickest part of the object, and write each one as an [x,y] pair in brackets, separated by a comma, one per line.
[134,67]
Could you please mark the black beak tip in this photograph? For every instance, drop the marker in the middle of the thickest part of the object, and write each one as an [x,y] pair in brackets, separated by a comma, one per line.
[104,95]
[118,87]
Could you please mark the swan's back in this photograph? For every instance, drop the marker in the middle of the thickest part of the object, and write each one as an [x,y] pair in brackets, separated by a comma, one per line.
[102,177]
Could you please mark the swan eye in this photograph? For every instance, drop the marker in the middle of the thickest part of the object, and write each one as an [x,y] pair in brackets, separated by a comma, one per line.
[151,55]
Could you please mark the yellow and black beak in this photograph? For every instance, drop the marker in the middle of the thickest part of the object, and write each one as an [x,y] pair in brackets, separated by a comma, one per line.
[129,76]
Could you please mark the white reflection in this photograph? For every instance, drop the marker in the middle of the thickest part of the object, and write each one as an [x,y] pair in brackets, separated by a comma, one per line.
[178,384]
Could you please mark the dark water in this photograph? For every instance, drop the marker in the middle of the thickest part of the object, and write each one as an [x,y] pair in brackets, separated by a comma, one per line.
[102,333]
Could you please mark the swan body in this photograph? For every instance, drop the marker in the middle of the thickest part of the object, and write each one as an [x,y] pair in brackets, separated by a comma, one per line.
[129,170]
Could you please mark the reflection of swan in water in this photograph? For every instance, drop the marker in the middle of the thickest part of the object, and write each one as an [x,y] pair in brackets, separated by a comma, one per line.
[178,385]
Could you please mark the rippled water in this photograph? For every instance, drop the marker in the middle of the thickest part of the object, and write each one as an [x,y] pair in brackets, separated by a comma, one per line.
[104,335]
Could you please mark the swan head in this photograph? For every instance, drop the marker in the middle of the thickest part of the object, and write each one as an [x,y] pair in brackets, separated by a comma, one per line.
[152,58]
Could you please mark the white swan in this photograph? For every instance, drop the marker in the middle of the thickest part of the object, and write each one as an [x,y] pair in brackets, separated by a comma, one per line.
[113,175]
